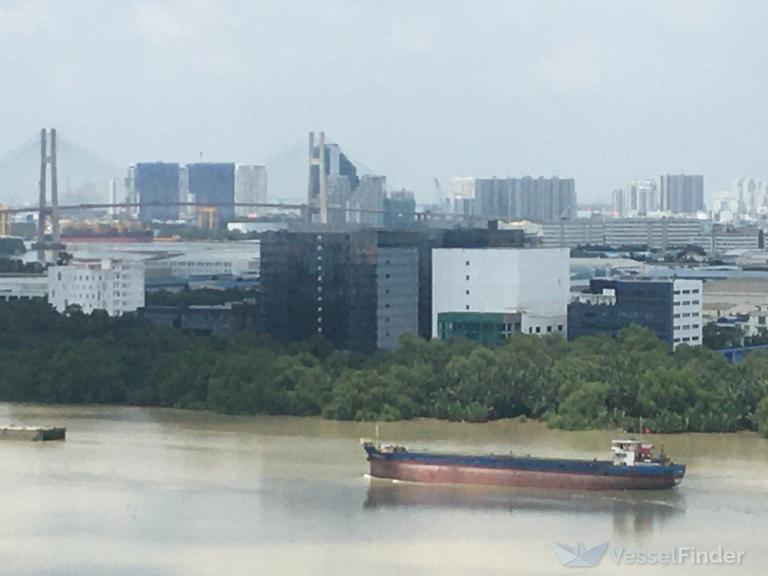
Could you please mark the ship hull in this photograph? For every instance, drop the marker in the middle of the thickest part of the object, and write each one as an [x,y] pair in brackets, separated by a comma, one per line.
[457,474]
[507,470]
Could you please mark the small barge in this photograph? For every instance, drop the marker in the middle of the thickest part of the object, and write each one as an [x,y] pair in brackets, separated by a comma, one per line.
[32,433]
[633,466]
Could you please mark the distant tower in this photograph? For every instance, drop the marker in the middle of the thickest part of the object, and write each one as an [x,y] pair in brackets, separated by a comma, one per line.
[317,196]
[48,158]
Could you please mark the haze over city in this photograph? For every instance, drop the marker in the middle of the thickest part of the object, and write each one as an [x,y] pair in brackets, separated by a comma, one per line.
[603,92]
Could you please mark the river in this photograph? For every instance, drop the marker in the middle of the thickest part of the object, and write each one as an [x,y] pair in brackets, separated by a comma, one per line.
[137,491]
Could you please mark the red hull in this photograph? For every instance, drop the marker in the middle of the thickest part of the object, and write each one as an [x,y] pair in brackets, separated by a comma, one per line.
[437,474]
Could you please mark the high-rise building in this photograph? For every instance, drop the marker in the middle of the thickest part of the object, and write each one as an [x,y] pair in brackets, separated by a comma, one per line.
[529,284]
[157,186]
[366,201]
[682,193]
[671,308]
[251,188]
[640,198]
[213,183]
[541,199]
[752,196]
[112,284]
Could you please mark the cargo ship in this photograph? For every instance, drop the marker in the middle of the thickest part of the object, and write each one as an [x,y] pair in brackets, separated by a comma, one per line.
[633,466]
[105,235]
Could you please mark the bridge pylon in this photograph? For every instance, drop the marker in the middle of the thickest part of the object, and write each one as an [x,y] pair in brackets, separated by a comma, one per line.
[48,158]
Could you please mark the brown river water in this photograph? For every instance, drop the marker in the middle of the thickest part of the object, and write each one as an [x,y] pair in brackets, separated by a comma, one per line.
[137,491]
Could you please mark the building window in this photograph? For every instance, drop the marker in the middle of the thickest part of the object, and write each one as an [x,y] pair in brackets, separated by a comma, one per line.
[467,291]
[549,328]
[466,307]
[675,315]
[694,301]
[467,276]
[676,292]
[559,327]
[467,263]
[530,330]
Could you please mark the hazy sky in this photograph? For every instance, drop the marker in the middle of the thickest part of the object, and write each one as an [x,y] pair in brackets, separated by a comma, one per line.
[605,91]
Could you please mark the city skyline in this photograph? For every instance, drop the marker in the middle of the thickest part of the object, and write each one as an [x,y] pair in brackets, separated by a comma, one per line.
[244,83]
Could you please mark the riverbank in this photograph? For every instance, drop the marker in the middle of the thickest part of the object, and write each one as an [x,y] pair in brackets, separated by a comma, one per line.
[591,383]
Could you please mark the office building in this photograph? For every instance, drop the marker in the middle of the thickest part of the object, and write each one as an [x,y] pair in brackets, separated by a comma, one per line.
[111,284]
[157,186]
[531,283]
[250,188]
[671,308]
[360,289]
[214,184]
[682,193]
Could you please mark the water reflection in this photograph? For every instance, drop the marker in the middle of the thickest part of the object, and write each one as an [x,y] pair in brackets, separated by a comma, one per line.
[631,512]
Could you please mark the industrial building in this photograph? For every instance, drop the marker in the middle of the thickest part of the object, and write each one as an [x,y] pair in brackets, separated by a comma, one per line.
[157,186]
[111,284]
[650,233]
[671,308]
[530,284]
[23,287]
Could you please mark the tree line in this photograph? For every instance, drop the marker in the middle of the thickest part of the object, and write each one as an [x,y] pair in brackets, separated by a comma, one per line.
[593,382]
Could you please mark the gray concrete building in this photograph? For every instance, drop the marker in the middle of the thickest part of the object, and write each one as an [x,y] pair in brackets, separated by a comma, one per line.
[397,294]
[682,193]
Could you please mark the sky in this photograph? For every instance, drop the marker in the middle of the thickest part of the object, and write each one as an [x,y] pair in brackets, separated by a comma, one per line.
[603,91]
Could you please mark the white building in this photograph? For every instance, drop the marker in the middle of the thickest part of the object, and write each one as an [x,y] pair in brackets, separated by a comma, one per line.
[250,187]
[532,282]
[640,198]
[23,287]
[203,264]
[687,323]
[110,284]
